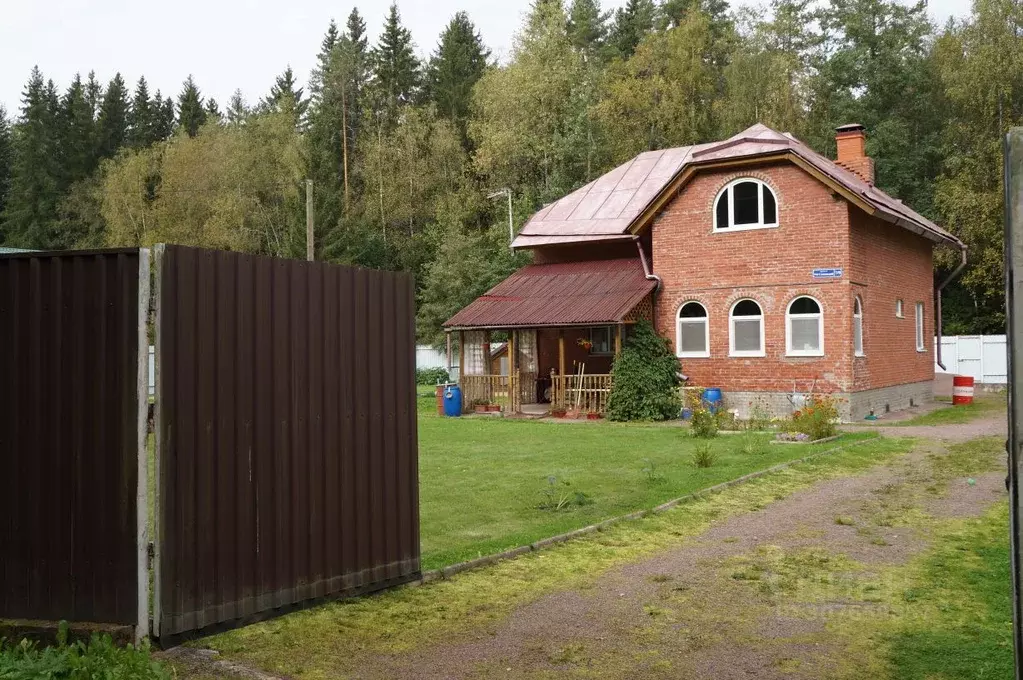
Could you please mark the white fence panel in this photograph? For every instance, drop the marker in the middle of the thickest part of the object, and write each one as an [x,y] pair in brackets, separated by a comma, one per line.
[980,356]
[428,357]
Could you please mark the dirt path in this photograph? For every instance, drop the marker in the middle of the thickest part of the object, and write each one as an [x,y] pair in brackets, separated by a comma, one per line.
[711,609]
[994,425]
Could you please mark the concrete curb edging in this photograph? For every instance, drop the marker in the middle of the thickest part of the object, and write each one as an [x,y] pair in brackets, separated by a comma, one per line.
[487,560]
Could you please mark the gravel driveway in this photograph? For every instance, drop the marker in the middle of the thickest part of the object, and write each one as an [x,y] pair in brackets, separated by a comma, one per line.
[685,613]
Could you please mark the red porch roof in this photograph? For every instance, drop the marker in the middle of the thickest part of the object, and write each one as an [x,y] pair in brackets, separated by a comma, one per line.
[563,294]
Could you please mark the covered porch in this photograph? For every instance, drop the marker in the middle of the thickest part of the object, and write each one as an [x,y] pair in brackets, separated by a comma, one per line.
[545,338]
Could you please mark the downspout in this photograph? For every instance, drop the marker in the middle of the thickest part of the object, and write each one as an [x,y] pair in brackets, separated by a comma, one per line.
[650,276]
[937,306]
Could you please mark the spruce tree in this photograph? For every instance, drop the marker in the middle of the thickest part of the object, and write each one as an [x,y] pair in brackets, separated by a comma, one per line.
[316,78]
[6,160]
[630,24]
[30,211]
[164,122]
[93,93]
[191,114]
[236,109]
[587,26]
[458,63]
[76,134]
[213,110]
[287,97]
[142,117]
[396,75]
[112,123]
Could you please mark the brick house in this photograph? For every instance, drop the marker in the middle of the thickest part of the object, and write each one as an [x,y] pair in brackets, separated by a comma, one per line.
[771,270]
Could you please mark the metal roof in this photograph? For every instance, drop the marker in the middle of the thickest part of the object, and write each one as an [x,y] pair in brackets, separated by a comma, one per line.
[610,207]
[562,294]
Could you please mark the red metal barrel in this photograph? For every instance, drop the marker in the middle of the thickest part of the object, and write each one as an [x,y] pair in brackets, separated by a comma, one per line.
[962,389]
[440,400]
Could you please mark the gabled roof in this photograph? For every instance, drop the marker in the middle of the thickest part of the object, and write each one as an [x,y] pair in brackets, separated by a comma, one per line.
[563,294]
[618,204]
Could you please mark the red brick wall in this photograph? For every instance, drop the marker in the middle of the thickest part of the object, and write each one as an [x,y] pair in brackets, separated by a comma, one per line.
[771,266]
[889,263]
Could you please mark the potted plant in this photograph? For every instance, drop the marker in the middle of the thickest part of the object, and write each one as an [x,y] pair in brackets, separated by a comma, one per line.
[479,405]
[493,408]
[584,343]
[593,415]
[558,412]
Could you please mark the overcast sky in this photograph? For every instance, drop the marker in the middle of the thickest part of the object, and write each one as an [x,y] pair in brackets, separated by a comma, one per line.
[225,45]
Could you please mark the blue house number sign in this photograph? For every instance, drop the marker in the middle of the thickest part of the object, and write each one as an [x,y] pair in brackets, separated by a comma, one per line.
[831,273]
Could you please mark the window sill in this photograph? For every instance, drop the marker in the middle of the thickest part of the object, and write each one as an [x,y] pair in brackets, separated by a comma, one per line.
[921,350]
[859,355]
[747,355]
[692,355]
[798,355]
[745,227]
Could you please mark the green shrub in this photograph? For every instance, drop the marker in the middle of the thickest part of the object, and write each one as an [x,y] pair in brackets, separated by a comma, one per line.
[817,419]
[703,423]
[703,457]
[99,658]
[431,376]
[644,382]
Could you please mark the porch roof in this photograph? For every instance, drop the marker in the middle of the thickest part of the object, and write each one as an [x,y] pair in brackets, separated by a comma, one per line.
[590,292]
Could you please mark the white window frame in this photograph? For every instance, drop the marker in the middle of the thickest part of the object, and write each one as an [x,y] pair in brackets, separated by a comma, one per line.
[921,346]
[760,224]
[858,327]
[732,352]
[789,316]
[898,309]
[679,320]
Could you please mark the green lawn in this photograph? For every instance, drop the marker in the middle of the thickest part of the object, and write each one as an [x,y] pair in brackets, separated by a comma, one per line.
[482,479]
[966,582]
[983,405]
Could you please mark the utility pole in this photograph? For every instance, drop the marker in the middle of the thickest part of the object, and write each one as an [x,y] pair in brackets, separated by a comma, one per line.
[1013,151]
[511,224]
[309,220]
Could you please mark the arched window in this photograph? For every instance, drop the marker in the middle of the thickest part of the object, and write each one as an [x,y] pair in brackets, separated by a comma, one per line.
[746,330]
[745,204]
[693,332]
[804,328]
[857,326]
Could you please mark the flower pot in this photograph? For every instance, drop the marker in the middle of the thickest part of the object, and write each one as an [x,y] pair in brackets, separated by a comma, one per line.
[558,413]
[593,416]
[479,409]
[493,408]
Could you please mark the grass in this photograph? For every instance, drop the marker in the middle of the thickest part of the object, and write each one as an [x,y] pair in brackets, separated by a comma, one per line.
[983,405]
[333,637]
[483,480]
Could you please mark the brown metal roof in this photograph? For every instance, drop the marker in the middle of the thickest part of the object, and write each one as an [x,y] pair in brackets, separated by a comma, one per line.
[610,207]
[562,294]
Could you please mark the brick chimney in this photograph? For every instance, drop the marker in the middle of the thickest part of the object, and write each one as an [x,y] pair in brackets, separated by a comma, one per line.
[852,151]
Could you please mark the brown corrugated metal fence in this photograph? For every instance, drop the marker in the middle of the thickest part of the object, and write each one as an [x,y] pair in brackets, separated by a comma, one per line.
[68,436]
[286,435]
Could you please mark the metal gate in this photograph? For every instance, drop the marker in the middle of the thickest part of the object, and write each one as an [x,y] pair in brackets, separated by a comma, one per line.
[286,435]
[72,437]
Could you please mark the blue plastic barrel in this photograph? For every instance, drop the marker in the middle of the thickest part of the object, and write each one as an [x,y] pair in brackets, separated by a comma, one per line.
[712,398]
[453,401]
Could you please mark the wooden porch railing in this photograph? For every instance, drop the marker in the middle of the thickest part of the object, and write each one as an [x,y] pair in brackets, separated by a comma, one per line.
[493,389]
[587,393]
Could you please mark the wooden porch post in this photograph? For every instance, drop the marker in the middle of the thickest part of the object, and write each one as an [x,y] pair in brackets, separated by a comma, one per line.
[618,340]
[513,378]
[559,396]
